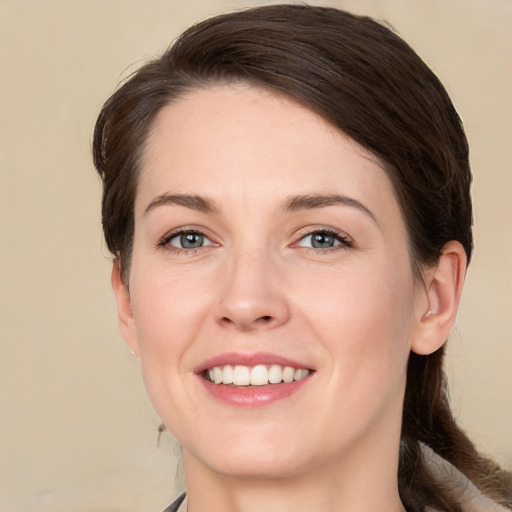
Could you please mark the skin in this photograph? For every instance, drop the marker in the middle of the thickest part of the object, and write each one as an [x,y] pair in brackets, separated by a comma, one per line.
[352,312]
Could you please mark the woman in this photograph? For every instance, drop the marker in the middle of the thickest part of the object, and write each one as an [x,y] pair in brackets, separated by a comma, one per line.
[286,196]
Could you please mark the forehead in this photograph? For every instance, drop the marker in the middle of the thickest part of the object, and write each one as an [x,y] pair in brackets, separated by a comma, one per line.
[227,140]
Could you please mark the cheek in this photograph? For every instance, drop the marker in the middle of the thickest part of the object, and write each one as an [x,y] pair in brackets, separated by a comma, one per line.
[363,324]
[363,318]
[167,310]
[169,313]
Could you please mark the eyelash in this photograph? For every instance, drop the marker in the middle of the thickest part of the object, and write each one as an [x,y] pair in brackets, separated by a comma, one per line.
[344,241]
[164,242]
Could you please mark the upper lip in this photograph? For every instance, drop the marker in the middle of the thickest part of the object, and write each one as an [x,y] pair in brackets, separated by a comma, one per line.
[245,359]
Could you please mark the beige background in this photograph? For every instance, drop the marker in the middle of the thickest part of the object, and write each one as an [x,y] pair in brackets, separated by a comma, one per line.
[76,430]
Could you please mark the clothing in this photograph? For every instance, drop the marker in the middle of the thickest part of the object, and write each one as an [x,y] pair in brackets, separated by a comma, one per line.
[478,504]
[463,490]
[179,505]
[469,497]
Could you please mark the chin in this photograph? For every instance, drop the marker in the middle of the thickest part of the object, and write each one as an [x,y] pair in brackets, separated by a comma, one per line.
[260,469]
[247,459]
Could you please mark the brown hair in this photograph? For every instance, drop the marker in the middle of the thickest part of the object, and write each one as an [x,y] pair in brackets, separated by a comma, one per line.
[367,82]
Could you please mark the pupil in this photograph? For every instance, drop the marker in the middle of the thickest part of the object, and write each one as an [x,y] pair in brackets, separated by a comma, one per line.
[322,241]
[191,240]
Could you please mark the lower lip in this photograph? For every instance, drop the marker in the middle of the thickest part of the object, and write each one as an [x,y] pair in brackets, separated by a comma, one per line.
[253,396]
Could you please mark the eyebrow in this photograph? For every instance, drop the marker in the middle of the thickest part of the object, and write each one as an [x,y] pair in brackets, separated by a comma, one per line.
[292,204]
[309,201]
[194,202]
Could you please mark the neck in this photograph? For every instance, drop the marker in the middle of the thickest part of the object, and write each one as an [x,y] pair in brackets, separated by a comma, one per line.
[362,481]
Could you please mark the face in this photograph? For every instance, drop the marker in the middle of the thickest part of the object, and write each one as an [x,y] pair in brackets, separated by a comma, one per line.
[269,257]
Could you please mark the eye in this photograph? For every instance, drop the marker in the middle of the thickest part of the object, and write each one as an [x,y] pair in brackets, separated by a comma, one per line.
[187,240]
[323,239]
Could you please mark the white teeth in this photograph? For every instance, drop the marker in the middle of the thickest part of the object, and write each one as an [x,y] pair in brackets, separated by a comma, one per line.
[227,375]
[275,374]
[300,374]
[217,375]
[241,376]
[288,374]
[259,375]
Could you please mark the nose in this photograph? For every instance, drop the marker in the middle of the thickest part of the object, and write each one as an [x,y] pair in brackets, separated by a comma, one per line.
[252,294]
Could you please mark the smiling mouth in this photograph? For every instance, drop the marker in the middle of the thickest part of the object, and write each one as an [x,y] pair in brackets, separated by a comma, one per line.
[259,375]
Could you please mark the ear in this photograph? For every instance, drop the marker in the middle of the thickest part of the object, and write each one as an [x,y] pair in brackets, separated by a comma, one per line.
[437,309]
[124,309]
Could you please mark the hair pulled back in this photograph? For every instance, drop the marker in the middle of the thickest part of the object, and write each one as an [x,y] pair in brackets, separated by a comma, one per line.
[368,83]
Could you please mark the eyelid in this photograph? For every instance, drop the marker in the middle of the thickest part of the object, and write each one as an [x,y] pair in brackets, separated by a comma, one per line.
[343,238]
[164,241]
[206,241]
[340,236]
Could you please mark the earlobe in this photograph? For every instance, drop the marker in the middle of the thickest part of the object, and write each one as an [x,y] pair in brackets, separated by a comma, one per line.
[443,289]
[124,309]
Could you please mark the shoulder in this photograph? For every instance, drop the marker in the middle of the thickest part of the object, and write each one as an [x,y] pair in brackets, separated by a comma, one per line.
[461,489]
